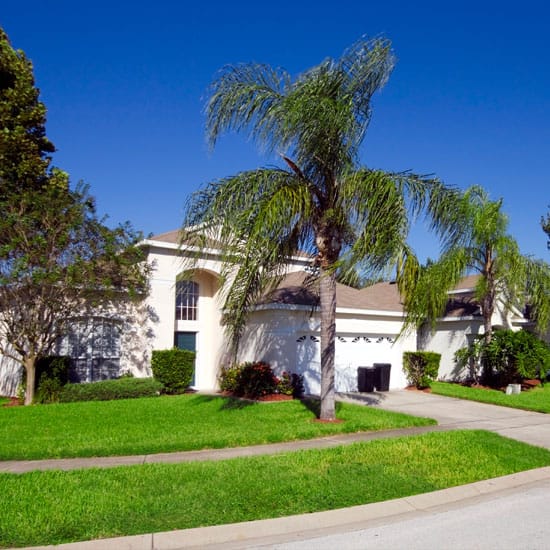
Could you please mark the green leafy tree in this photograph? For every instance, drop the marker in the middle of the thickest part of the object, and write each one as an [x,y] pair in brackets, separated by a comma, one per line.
[25,151]
[477,241]
[545,223]
[58,260]
[348,218]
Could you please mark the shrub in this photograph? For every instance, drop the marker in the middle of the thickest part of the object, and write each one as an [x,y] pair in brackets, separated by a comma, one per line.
[256,380]
[470,358]
[106,390]
[174,368]
[52,373]
[228,378]
[284,384]
[291,383]
[516,356]
[509,358]
[421,367]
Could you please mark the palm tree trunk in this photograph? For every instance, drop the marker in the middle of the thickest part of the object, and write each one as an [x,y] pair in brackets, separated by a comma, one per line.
[327,297]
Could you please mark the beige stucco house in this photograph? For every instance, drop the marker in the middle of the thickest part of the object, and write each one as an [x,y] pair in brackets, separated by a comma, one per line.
[184,309]
[284,329]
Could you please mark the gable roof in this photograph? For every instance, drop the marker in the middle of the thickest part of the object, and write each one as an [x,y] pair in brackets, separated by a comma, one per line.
[168,237]
[295,289]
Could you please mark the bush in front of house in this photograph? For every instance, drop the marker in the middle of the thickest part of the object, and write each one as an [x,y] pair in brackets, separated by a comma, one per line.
[256,379]
[229,377]
[509,358]
[421,367]
[52,374]
[107,390]
[515,356]
[173,368]
[290,383]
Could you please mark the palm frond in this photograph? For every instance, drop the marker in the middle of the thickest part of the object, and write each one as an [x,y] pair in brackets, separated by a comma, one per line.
[245,98]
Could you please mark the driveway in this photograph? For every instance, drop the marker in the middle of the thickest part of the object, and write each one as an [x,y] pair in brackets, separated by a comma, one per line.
[529,427]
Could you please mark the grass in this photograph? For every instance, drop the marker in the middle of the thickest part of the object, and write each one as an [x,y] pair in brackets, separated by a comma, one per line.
[536,399]
[4,400]
[178,423]
[54,507]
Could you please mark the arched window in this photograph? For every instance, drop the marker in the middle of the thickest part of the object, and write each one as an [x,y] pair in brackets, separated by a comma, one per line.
[187,297]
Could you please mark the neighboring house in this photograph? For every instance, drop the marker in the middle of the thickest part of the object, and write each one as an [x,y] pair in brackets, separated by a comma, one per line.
[461,324]
[183,309]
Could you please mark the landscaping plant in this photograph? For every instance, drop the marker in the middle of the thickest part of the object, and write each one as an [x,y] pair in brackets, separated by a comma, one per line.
[421,367]
[107,390]
[509,358]
[173,368]
[256,379]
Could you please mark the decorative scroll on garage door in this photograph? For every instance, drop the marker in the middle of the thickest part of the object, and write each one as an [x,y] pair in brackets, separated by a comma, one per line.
[352,351]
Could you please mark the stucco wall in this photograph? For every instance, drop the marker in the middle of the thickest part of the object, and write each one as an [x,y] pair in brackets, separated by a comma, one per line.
[288,339]
[449,336]
[167,265]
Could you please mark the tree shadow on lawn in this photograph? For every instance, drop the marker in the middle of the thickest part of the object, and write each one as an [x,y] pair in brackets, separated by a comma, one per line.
[227,402]
[314,405]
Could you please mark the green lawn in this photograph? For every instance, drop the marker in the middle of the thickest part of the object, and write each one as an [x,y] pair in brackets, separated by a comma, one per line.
[537,399]
[3,400]
[178,423]
[54,507]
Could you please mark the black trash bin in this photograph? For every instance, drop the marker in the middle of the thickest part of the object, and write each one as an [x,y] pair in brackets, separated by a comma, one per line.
[365,379]
[382,376]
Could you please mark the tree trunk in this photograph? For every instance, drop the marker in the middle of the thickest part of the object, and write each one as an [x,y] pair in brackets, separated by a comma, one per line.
[30,368]
[328,336]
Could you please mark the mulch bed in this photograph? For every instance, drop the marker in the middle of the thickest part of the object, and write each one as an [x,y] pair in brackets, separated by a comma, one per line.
[423,390]
[13,402]
[273,397]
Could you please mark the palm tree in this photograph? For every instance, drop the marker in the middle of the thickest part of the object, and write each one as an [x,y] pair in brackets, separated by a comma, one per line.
[320,202]
[479,243]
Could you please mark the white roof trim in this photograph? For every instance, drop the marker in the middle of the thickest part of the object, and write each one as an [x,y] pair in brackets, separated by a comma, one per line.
[354,311]
[461,291]
[207,251]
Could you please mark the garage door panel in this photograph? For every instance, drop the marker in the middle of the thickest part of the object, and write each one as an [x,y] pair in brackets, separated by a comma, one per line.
[352,351]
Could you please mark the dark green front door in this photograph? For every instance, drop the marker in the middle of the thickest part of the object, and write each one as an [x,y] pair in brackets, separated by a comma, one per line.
[186,340]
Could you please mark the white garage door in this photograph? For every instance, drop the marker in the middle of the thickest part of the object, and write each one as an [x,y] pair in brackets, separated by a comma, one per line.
[352,351]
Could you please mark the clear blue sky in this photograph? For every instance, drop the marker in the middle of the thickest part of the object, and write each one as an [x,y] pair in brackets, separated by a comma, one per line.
[125,82]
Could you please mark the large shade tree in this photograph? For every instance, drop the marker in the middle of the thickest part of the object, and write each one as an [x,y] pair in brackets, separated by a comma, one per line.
[320,201]
[59,262]
[479,243]
[58,259]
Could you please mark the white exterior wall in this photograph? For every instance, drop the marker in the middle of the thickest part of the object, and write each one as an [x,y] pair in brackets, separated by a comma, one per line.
[287,337]
[10,376]
[449,336]
[167,266]
[454,333]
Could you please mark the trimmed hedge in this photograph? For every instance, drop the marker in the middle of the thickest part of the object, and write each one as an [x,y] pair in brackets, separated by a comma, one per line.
[421,367]
[174,368]
[106,390]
